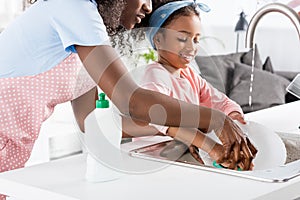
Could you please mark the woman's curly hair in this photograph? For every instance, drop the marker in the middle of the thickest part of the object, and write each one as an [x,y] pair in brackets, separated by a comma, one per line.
[111,17]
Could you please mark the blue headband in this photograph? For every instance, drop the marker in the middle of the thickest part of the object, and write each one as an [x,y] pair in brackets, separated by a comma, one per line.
[160,15]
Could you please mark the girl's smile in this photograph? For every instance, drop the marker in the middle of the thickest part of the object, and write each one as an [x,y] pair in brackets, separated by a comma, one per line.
[178,43]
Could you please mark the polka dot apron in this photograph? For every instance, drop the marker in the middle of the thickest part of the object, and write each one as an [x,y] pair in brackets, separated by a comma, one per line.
[25,102]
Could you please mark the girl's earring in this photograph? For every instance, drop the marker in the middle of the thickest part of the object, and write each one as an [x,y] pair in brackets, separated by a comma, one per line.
[157,43]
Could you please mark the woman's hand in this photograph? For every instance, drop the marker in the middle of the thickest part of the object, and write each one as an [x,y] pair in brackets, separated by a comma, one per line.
[237,116]
[238,150]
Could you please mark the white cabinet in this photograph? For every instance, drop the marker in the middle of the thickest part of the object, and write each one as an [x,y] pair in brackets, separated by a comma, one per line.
[58,137]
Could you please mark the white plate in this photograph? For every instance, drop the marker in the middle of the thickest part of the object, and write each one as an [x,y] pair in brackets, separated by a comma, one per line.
[271,149]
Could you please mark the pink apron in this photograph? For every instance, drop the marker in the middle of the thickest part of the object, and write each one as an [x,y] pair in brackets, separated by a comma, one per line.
[25,102]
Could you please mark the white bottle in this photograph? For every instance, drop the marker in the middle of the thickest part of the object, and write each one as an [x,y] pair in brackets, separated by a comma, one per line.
[102,138]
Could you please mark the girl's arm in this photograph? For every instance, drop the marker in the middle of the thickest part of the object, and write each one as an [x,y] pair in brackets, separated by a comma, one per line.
[191,136]
[213,98]
[293,3]
[195,138]
[137,128]
[109,72]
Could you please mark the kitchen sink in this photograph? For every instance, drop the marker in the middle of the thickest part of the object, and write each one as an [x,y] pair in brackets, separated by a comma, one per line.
[174,152]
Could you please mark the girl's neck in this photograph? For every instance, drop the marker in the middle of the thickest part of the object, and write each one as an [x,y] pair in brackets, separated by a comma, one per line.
[173,70]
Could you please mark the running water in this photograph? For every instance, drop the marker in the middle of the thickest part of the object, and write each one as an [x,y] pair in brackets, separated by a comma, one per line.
[252,76]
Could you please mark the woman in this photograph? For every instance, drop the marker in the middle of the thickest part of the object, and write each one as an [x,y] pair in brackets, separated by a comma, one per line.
[41,54]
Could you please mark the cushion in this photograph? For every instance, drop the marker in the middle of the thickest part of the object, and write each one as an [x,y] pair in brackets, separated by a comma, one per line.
[247,58]
[267,66]
[218,69]
[268,89]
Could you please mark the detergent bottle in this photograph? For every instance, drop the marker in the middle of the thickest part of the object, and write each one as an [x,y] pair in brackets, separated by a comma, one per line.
[102,140]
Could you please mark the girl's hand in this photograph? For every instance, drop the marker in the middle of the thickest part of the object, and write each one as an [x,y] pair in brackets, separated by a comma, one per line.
[195,153]
[216,152]
[237,116]
[247,150]
[237,147]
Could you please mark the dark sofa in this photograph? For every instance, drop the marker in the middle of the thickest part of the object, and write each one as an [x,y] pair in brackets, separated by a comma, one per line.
[231,74]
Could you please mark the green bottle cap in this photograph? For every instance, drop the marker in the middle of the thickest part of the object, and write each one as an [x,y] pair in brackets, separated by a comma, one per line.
[102,102]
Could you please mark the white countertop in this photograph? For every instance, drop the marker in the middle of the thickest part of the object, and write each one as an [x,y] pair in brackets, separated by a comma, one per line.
[283,118]
[64,179]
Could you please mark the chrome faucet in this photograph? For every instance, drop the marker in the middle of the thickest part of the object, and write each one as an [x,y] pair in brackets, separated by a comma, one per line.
[272,7]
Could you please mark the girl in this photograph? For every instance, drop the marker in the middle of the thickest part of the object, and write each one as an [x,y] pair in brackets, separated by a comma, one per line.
[175,34]
[42,57]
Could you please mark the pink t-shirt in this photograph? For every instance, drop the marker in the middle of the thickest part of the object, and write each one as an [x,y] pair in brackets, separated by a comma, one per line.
[189,87]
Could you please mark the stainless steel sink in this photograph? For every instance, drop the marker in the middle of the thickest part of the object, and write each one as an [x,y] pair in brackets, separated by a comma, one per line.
[176,153]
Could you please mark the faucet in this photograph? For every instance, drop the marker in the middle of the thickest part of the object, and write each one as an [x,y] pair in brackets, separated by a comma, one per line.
[272,7]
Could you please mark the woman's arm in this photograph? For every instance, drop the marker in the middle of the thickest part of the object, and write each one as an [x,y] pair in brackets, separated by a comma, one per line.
[109,72]
[84,105]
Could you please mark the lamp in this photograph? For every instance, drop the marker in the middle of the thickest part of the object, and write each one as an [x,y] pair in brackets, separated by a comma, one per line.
[241,26]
